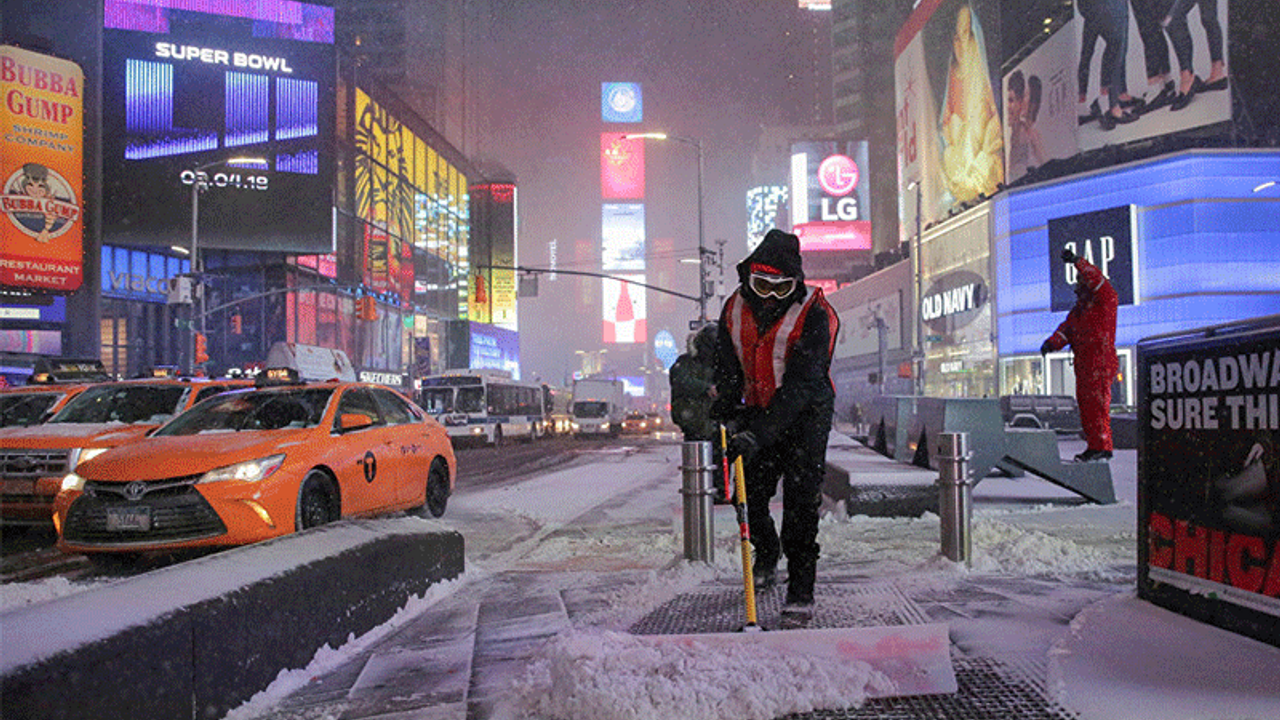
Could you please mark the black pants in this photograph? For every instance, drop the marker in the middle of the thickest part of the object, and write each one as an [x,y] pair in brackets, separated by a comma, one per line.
[1155,49]
[799,461]
[1180,32]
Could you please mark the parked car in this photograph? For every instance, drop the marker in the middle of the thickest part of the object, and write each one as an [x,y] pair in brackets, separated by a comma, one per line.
[34,459]
[253,464]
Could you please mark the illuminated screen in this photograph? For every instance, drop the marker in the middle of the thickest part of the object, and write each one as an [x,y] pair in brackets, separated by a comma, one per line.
[624,310]
[188,86]
[621,102]
[621,167]
[495,348]
[632,385]
[622,236]
[763,205]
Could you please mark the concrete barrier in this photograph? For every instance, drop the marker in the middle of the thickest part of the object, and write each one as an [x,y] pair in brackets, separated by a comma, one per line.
[197,639]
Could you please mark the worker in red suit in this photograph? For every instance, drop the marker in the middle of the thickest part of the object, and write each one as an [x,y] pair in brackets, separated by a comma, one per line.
[1090,330]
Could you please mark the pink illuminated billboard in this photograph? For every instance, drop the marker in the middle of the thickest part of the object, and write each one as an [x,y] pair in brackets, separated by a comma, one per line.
[621,167]
[834,235]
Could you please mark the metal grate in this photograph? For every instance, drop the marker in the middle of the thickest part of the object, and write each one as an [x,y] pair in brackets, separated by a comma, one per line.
[988,688]
[722,609]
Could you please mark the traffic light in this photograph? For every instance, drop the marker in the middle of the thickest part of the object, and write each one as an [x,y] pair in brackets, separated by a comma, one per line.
[237,324]
[366,307]
[202,349]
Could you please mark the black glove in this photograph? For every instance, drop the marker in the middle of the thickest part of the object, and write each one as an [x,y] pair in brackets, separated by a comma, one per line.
[743,445]
[1068,256]
[1045,349]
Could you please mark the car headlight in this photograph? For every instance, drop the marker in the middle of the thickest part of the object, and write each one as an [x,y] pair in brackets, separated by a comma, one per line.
[73,482]
[79,455]
[247,471]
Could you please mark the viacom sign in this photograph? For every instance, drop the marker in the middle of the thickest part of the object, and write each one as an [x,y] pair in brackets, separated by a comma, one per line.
[954,301]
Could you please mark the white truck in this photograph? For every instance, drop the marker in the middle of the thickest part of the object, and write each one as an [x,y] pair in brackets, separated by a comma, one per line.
[598,407]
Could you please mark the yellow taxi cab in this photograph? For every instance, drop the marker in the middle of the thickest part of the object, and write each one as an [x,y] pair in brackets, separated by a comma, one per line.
[35,459]
[636,422]
[254,464]
[52,382]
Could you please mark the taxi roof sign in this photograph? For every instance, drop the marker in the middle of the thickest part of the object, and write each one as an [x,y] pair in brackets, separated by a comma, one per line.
[312,363]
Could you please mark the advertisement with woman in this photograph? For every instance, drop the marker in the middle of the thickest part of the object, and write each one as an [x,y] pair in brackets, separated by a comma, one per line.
[948,113]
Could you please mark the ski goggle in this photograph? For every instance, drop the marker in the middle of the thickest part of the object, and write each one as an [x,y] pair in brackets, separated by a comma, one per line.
[776,285]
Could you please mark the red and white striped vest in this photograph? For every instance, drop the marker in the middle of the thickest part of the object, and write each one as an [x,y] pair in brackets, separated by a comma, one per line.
[764,357]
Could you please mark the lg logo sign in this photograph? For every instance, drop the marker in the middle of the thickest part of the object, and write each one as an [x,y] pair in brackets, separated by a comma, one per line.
[838,176]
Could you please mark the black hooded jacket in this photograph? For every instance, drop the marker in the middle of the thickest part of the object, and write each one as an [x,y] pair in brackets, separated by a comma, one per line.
[805,387]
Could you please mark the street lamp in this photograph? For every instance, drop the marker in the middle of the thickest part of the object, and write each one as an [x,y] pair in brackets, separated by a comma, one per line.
[197,183]
[702,250]
[919,289]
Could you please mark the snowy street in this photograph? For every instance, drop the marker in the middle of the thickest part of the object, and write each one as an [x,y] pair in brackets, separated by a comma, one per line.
[1044,624]
[570,572]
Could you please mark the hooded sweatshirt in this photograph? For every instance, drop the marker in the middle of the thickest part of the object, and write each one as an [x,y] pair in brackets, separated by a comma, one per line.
[805,383]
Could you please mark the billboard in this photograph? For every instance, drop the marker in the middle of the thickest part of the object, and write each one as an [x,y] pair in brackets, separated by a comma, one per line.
[764,203]
[621,102]
[1106,238]
[41,172]
[830,195]
[1065,116]
[948,112]
[622,236]
[624,309]
[621,167]
[494,348]
[188,86]
[1209,476]
[493,242]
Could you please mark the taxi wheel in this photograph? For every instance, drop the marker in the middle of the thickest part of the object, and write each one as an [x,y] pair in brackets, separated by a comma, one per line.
[437,488]
[315,501]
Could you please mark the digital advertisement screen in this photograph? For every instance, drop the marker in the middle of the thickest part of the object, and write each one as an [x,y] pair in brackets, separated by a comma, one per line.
[495,348]
[621,167]
[830,206]
[189,88]
[764,203]
[621,102]
[622,236]
[624,309]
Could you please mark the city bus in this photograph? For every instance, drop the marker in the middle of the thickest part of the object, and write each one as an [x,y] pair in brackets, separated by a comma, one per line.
[485,406]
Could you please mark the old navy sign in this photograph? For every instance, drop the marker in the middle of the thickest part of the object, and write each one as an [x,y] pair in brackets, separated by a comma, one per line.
[1106,238]
[954,301]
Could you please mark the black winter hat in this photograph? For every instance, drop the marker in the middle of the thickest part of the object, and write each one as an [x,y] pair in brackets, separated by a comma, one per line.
[779,252]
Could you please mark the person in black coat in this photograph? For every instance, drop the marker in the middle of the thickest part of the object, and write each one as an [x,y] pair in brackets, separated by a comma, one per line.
[773,363]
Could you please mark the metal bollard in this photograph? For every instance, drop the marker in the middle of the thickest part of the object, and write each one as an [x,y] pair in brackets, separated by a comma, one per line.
[955,496]
[699,468]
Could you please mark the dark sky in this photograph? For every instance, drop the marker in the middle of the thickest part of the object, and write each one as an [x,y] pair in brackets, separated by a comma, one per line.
[712,70]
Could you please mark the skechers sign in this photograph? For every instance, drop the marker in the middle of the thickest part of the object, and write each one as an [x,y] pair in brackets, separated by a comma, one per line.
[954,301]
[1105,238]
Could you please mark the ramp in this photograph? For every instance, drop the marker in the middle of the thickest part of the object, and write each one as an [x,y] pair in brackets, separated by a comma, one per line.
[1036,451]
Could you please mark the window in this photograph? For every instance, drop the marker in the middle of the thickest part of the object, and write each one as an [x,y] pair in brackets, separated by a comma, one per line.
[360,402]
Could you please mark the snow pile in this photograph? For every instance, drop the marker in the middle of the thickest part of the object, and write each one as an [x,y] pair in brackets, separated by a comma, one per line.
[15,595]
[1000,547]
[615,676]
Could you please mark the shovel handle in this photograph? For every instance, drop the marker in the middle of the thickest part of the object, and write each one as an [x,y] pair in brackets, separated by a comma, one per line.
[744,529]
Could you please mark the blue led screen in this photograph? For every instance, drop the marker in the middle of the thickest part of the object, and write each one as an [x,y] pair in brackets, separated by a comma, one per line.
[191,86]
[1207,249]
[621,102]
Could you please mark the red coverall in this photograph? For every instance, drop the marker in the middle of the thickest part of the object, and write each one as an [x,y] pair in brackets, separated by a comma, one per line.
[1090,330]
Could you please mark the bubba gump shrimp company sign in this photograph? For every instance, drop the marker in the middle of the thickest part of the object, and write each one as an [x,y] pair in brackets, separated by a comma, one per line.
[41,171]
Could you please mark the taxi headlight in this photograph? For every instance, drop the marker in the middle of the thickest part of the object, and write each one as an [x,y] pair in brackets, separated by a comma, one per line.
[79,455]
[247,471]
[73,482]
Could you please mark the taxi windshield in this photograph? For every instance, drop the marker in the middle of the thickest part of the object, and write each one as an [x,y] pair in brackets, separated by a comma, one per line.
[123,403]
[253,410]
[22,408]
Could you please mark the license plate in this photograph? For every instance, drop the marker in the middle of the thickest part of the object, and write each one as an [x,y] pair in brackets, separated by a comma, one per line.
[18,487]
[129,518]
